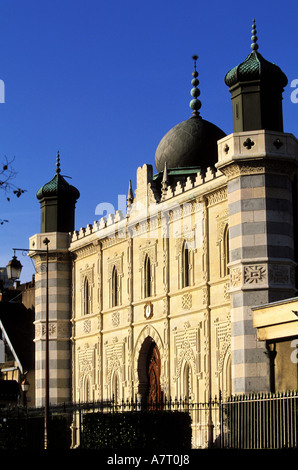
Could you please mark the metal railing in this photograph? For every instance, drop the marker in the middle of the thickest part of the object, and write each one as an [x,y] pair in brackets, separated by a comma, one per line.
[260,421]
[254,421]
[205,417]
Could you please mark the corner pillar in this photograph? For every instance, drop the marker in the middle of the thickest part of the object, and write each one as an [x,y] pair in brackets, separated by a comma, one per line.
[259,166]
[59,314]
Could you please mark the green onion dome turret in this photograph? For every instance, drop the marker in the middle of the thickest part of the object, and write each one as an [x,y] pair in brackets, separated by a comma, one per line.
[256,86]
[57,202]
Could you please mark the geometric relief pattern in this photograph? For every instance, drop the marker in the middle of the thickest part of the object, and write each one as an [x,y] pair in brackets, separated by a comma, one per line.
[114,359]
[87,326]
[255,274]
[279,274]
[56,330]
[186,349]
[86,360]
[223,342]
[235,277]
[115,319]
[186,301]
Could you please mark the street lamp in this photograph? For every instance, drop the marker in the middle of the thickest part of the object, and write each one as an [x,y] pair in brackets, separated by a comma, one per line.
[14,268]
[25,388]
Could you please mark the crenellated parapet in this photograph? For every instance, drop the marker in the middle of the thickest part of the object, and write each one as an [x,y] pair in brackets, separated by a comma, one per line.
[148,199]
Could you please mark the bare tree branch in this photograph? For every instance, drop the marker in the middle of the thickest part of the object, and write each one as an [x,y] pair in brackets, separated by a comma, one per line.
[7,174]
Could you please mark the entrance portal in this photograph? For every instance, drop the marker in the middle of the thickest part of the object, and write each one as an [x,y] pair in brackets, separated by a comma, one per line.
[149,368]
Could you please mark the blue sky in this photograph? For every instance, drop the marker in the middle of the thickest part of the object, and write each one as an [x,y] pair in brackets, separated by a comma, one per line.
[102,82]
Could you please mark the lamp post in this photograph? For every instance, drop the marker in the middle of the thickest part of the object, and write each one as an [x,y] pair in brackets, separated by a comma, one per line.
[13,270]
[25,388]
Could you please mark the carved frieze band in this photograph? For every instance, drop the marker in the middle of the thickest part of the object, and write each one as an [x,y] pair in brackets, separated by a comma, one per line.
[258,274]
[217,196]
[57,330]
[255,167]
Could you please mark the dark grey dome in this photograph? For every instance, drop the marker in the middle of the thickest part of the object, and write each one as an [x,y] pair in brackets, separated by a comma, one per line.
[192,143]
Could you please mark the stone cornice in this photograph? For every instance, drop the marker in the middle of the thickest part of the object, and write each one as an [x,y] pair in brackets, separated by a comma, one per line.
[257,152]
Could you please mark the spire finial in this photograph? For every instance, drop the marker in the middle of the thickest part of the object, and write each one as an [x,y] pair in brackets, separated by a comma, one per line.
[58,163]
[164,183]
[195,104]
[129,195]
[254,37]
[165,174]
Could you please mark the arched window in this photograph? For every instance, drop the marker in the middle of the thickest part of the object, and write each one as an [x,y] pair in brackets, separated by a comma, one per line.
[115,388]
[114,287]
[185,265]
[226,247]
[87,390]
[87,297]
[147,277]
[187,381]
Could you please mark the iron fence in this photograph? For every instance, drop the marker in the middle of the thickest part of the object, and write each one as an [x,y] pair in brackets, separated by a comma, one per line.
[260,421]
[205,417]
[255,421]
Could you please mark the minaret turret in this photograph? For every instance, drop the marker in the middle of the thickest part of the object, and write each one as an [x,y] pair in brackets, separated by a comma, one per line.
[53,288]
[256,87]
[57,203]
[259,161]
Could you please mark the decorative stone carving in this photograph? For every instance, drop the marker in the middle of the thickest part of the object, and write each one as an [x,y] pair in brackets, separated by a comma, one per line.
[223,342]
[255,274]
[87,326]
[248,143]
[187,344]
[117,261]
[114,358]
[115,319]
[186,301]
[279,274]
[226,289]
[86,360]
[217,196]
[236,276]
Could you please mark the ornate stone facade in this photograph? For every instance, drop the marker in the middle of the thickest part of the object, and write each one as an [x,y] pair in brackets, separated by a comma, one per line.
[159,300]
[188,283]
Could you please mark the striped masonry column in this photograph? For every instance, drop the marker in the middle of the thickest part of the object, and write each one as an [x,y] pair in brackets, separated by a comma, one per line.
[59,295]
[261,247]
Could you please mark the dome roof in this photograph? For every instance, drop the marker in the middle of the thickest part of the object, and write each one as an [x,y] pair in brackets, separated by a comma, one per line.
[255,67]
[58,186]
[191,143]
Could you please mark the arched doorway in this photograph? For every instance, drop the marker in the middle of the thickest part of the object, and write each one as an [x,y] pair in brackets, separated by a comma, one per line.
[149,367]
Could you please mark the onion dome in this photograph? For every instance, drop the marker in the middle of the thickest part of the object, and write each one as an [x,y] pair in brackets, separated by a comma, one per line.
[191,143]
[57,203]
[256,86]
[58,186]
[255,67]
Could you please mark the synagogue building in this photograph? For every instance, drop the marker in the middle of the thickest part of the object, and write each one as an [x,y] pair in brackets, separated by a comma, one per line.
[157,302]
